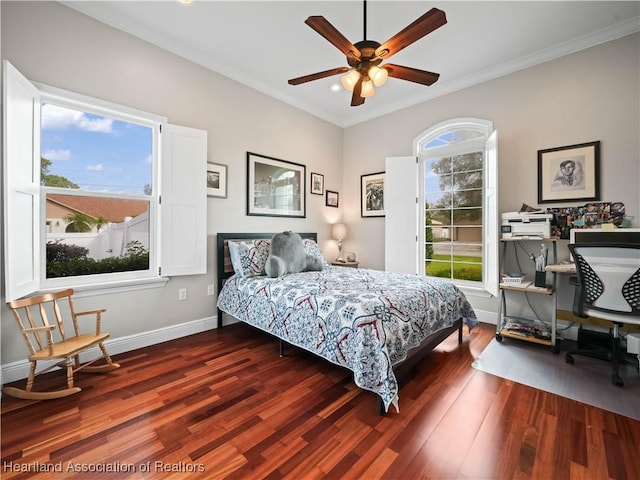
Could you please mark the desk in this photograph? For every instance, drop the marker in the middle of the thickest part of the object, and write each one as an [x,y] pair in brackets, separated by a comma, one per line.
[568,268]
[527,329]
[564,268]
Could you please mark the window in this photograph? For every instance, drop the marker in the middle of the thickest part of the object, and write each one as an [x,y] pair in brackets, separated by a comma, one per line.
[453,205]
[98,180]
[446,226]
[458,197]
[96,177]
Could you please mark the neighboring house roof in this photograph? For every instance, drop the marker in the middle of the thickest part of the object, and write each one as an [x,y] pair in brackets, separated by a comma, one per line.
[113,209]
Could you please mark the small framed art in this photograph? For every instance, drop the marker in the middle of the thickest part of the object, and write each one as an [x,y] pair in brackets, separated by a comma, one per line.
[317,184]
[332,199]
[372,195]
[216,180]
[568,174]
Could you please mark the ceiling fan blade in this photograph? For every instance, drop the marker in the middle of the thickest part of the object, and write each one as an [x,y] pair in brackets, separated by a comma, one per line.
[319,75]
[427,23]
[411,74]
[328,31]
[356,98]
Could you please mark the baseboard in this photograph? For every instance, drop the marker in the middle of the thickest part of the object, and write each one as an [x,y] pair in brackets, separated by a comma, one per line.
[485,316]
[20,369]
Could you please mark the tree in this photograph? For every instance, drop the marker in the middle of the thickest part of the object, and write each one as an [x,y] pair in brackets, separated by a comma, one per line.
[100,222]
[428,234]
[79,222]
[460,180]
[50,180]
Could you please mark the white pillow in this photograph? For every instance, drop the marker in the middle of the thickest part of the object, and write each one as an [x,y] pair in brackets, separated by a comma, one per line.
[248,257]
[312,248]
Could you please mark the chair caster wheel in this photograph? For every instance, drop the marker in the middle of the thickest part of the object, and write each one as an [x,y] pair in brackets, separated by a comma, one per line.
[617,380]
[498,338]
[569,359]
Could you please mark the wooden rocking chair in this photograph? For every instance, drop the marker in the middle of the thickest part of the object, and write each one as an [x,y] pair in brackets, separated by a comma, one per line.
[48,342]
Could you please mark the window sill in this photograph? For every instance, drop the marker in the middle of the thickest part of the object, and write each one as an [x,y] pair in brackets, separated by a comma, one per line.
[474,291]
[118,286]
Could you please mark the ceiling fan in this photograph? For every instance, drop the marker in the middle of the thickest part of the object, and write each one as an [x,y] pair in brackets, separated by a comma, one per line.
[364,57]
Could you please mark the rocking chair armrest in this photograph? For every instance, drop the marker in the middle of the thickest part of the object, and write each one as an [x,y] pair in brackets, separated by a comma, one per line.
[89,312]
[97,312]
[38,329]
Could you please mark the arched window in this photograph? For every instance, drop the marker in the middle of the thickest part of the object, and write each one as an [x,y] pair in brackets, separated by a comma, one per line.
[459,161]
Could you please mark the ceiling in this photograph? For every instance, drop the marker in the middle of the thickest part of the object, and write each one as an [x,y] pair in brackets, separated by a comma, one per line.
[262,44]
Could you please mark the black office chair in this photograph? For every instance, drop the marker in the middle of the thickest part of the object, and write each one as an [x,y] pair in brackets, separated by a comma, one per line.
[608,288]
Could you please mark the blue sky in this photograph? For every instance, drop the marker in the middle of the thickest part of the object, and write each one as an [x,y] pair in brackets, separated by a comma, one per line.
[97,153]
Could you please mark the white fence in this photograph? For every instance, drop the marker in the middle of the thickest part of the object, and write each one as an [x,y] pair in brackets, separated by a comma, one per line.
[111,240]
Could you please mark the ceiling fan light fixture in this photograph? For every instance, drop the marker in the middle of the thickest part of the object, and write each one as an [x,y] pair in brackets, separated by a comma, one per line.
[350,79]
[378,75]
[367,88]
[363,58]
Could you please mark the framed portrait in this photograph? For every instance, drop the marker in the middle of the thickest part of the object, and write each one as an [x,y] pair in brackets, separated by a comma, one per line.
[372,195]
[332,199]
[317,184]
[567,174]
[216,180]
[275,188]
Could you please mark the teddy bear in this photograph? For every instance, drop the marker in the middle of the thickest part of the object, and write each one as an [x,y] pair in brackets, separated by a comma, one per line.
[287,255]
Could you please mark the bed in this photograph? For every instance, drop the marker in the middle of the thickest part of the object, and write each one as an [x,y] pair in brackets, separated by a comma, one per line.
[368,321]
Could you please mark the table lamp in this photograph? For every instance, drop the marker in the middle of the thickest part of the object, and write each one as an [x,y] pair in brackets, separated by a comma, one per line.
[339,234]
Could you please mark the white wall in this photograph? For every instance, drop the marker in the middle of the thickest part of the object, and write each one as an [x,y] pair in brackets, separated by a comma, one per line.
[57,46]
[590,95]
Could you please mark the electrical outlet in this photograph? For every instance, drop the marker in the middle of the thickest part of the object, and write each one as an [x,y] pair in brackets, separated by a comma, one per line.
[211,290]
[182,294]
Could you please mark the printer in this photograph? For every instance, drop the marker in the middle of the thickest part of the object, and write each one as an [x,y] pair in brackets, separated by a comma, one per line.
[526,225]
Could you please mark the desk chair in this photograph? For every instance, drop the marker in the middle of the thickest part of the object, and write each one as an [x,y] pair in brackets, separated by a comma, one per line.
[48,342]
[608,288]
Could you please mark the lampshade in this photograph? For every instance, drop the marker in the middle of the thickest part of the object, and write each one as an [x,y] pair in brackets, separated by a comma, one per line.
[378,75]
[367,89]
[339,231]
[350,79]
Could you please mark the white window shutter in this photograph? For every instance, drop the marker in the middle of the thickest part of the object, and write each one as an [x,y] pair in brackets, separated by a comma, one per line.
[491,223]
[401,225]
[21,184]
[183,224]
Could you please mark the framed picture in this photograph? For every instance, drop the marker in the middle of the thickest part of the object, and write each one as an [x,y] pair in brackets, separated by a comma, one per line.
[317,184]
[332,199]
[569,173]
[216,180]
[372,195]
[275,188]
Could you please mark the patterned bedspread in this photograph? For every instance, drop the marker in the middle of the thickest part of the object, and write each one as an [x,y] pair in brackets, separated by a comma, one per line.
[364,320]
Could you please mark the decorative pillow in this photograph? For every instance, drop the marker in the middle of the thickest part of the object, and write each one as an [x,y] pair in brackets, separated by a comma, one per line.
[287,255]
[313,249]
[248,257]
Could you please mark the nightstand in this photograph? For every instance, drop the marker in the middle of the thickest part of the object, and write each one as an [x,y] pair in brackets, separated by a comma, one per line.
[345,264]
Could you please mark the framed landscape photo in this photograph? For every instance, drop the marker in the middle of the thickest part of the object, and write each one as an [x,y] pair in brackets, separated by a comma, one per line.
[216,180]
[317,184]
[275,188]
[372,195]
[571,173]
[332,199]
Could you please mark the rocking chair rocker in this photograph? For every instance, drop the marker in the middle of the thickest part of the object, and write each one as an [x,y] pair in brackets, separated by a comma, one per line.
[48,342]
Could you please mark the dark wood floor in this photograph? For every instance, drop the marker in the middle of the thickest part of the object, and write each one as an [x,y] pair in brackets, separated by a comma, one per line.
[223,404]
